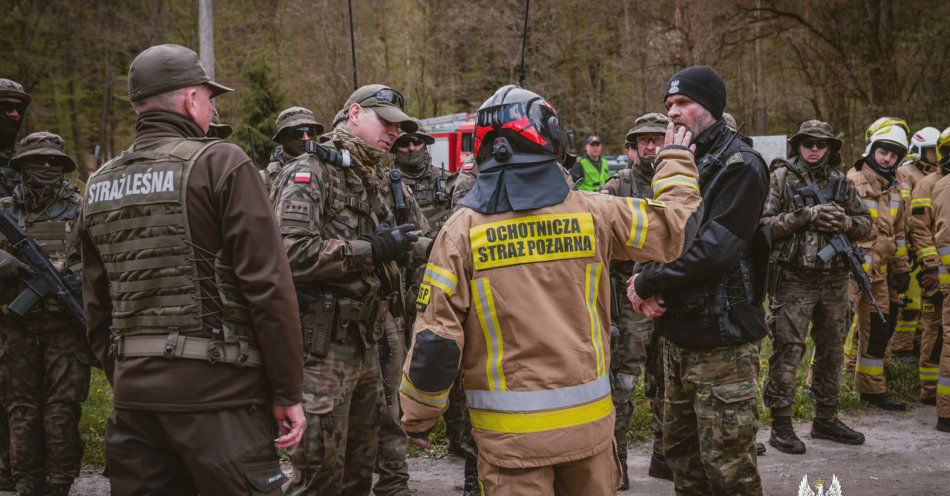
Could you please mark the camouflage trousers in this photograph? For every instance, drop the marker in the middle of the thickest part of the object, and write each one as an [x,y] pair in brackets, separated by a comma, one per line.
[709,421]
[341,395]
[807,297]
[391,466]
[638,350]
[458,426]
[931,341]
[871,336]
[45,379]
[4,424]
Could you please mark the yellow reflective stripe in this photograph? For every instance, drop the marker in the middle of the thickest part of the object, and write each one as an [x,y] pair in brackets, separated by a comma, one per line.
[943,386]
[541,421]
[905,193]
[870,366]
[679,179]
[929,374]
[927,251]
[488,317]
[591,291]
[901,247]
[441,278]
[437,400]
[640,223]
[921,202]
[849,342]
[943,277]
[906,326]
[871,206]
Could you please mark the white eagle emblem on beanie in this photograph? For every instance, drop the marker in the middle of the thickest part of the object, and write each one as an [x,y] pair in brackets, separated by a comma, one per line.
[674,86]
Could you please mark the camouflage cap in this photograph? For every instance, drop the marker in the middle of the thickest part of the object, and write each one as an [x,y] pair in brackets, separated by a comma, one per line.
[217,129]
[653,122]
[42,144]
[294,117]
[386,102]
[815,129]
[11,88]
[162,68]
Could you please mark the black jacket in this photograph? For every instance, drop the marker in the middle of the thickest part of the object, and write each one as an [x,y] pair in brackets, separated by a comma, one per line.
[734,193]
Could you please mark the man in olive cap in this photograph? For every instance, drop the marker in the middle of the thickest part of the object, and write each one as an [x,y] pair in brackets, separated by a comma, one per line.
[591,168]
[45,370]
[637,348]
[295,127]
[14,102]
[349,229]
[804,291]
[193,318]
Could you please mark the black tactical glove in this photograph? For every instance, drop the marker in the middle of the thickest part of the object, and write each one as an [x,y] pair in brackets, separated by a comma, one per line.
[391,243]
[899,281]
[10,264]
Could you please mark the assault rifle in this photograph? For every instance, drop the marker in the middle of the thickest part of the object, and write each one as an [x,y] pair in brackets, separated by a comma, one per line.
[840,245]
[45,279]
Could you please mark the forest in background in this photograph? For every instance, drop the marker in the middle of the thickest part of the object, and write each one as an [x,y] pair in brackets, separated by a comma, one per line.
[600,63]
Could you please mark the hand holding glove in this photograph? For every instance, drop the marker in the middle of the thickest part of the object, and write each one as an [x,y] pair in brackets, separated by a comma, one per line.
[899,281]
[391,243]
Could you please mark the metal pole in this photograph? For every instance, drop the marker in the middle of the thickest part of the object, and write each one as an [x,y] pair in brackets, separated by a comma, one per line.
[206,35]
[524,41]
[349,4]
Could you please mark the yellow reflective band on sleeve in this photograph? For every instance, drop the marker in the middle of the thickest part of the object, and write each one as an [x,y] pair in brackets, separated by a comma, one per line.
[905,193]
[488,318]
[929,374]
[441,278]
[425,292]
[536,238]
[870,366]
[871,206]
[640,223]
[519,423]
[894,205]
[437,400]
[927,251]
[901,246]
[906,326]
[921,202]
[943,276]
[591,290]
[943,386]
[676,180]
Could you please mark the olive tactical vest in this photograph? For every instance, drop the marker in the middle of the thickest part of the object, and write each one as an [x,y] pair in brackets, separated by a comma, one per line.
[169,298]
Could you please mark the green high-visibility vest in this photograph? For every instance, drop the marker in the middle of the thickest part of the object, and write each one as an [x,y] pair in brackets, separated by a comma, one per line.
[594,177]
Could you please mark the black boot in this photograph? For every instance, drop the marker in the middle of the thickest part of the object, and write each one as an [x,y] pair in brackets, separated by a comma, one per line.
[659,469]
[835,430]
[929,401]
[472,487]
[943,424]
[881,400]
[759,449]
[783,436]
[57,489]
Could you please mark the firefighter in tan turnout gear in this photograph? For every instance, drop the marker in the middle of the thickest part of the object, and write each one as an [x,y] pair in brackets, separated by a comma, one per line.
[885,258]
[516,295]
[941,206]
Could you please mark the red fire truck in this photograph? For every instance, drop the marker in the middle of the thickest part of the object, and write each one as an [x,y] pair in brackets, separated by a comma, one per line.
[454,139]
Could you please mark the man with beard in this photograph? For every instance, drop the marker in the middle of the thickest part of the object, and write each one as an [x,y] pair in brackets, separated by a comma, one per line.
[347,236]
[295,127]
[804,291]
[638,347]
[907,332]
[885,253]
[707,303]
[45,369]
[13,104]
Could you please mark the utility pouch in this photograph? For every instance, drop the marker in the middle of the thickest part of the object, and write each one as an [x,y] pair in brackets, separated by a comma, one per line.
[317,323]
[775,273]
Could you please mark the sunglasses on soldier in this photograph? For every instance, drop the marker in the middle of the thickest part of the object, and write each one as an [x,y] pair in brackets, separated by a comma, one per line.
[411,140]
[386,95]
[301,132]
[7,106]
[817,144]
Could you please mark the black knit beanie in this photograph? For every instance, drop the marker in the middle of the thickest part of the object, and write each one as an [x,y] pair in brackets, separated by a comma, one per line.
[702,84]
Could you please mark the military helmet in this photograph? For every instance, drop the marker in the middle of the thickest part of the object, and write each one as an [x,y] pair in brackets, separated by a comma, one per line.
[217,129]
[163,68]
[42,144]
[943,149]
[653,122]
[294,117]
[884,122]
[814,128]
[517,126]
[10,88]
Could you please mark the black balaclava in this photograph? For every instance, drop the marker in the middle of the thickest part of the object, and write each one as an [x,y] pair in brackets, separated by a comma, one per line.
[41,181]
[413,163]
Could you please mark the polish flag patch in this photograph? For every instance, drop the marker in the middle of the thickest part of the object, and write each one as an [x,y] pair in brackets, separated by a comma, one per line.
[301,177]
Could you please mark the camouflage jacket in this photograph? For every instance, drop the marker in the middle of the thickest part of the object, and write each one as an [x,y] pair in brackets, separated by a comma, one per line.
[269,173]
[430,192]
[632,181]
[54,229]
[794,242]
[459,184]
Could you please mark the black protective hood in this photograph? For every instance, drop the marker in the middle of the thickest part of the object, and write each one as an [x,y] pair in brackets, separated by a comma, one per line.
[517,187]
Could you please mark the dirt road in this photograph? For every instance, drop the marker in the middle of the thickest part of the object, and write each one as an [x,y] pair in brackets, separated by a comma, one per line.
[904,455]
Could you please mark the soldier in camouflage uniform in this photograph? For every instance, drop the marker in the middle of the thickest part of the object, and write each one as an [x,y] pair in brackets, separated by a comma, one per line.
[804,290]
[295,127]
[14,103]
[45,360]
[637,347]
[339,222]
[218,129]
